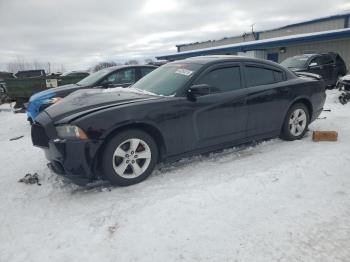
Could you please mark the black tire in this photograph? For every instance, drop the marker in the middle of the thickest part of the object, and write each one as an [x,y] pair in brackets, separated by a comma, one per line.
[109,160]
[286,132]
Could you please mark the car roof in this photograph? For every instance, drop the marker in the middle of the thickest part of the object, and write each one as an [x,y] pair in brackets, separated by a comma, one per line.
[226,58]
[112,68]
[317,54]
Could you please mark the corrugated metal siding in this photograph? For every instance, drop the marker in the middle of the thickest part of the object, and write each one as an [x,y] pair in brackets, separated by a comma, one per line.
[308,28]
[227,41]
[293,30]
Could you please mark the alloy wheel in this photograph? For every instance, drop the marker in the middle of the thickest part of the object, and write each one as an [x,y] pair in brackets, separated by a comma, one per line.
[131,158]
[297,122]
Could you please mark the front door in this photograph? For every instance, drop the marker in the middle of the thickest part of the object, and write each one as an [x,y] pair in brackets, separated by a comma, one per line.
[220,116]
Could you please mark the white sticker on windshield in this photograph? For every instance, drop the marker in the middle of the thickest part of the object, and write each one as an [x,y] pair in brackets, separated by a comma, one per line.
[183,71]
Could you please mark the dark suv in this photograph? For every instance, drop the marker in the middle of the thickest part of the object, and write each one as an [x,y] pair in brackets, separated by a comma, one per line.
[328,65]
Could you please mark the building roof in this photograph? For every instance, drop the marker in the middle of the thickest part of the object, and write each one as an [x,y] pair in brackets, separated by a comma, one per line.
[263,44]
[345,14]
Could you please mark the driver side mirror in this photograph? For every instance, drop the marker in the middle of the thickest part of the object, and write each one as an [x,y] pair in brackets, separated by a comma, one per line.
[198,90]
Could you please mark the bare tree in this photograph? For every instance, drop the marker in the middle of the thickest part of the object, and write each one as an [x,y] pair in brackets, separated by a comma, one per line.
[20,64]
[148,60]
[131,62]
[102,65]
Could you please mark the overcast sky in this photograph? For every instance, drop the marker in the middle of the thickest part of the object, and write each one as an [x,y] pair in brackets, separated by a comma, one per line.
[80,33]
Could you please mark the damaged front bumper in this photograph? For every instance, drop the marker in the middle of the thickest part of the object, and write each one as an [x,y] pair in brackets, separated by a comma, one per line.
[72,159]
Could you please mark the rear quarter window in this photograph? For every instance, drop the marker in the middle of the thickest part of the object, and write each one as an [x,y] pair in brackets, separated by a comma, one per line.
[278,76]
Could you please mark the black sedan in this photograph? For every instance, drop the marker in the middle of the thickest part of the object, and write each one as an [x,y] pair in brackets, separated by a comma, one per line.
[183,108]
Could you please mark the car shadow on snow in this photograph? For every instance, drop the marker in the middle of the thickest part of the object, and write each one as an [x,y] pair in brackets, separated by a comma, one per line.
[164,169]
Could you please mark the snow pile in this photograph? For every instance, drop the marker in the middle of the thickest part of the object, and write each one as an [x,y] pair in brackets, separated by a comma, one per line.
[274,201]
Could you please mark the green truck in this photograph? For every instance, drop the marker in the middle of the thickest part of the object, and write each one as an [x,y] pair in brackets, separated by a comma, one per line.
[3,77]
[19,89]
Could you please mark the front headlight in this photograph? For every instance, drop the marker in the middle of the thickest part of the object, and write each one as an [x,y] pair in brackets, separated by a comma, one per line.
[71,132]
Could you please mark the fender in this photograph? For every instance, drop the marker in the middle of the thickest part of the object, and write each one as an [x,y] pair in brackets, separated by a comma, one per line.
[301,98]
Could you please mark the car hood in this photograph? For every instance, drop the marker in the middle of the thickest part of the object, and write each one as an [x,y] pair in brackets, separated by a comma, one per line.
[83,102]
[60,91]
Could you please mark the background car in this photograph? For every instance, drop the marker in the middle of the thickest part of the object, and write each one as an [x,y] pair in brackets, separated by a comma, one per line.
[182,108]
[123,76]
[328,65]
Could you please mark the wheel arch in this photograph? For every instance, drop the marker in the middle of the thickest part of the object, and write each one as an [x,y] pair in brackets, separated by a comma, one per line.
[145,127]
[304,100]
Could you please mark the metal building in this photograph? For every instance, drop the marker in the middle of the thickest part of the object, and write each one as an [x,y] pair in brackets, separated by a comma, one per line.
[327,34]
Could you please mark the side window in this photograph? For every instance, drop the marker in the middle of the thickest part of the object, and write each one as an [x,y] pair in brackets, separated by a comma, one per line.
[326,60]
[146,70]
[315,61]
[256,76]
[81,75]
[125,76]
[222,79]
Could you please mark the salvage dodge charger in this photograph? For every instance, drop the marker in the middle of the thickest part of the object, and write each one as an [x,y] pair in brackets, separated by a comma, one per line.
[186,107]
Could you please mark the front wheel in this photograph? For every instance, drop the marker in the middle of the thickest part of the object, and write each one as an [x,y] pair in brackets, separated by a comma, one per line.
[129,157]
[296,122]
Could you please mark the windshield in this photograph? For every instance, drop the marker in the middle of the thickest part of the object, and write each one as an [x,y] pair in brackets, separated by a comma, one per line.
[167,79]
[66,73]
[94,78]
[295,62]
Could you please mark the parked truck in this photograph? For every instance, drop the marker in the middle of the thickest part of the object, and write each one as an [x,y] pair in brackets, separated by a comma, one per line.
[4,76]
[25,83]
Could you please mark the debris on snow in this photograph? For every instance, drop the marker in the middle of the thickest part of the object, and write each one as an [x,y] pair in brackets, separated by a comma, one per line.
[30,179]
[16,138]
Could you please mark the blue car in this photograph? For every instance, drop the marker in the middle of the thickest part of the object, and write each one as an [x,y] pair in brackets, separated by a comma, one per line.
[121,76]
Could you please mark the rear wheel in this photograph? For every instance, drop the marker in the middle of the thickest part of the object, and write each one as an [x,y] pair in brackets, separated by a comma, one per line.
[129,158]
[296,122]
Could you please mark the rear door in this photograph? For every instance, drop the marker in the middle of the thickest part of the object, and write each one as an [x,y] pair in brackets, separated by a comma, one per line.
[220,116]
[267,98]
[329,69]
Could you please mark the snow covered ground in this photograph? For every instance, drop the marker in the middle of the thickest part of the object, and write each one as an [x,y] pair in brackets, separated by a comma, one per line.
[275,201]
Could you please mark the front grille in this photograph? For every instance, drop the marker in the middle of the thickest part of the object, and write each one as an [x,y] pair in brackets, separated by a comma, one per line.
[39,137]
